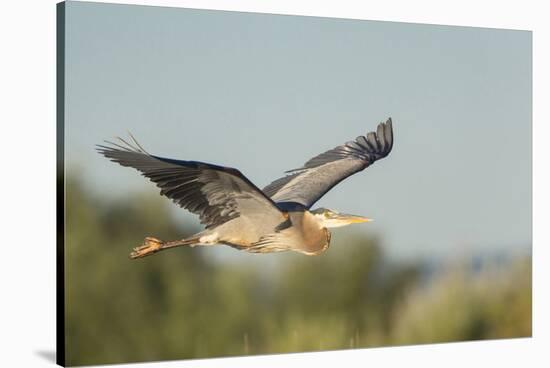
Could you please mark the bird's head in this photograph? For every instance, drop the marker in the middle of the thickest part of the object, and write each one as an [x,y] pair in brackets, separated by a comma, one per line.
[330,218]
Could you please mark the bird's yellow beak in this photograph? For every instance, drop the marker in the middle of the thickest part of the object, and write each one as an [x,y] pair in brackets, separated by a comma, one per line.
[352,219]
[330,219]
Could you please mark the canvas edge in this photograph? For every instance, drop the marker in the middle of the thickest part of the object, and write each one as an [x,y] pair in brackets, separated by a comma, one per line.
[60,184]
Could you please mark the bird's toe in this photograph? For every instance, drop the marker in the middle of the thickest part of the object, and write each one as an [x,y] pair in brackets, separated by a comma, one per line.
[150,246]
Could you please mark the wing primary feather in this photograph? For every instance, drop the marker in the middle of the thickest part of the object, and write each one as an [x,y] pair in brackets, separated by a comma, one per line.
[137,143]
[216,193]
[306,184]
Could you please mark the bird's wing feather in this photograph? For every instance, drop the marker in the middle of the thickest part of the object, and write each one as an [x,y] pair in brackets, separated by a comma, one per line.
[273,242]
[310,182]
[217,194]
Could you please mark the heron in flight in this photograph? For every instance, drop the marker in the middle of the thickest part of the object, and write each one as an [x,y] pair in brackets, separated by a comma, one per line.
[237,213]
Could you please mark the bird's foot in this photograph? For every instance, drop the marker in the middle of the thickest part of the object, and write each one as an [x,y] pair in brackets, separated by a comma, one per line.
[150,246]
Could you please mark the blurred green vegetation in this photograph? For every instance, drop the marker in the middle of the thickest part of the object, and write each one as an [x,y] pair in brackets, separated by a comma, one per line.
[182,304]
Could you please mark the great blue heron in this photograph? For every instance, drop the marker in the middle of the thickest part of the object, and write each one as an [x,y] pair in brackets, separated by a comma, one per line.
[237,213]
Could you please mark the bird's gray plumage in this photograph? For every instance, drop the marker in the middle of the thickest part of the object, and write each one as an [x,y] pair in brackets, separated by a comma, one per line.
[217,194]
[237,213]
[317,176]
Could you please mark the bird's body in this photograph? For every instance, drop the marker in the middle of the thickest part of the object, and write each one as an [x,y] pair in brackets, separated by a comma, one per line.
[237,213]
[298,230]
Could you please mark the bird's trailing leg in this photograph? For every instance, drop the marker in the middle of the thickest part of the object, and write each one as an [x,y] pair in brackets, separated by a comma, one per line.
[153,245]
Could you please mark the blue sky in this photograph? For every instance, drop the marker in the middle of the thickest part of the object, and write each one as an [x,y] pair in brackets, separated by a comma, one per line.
[264,93]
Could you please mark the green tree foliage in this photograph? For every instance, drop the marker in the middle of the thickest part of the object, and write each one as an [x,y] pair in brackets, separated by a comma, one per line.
[493,303]
[180,304]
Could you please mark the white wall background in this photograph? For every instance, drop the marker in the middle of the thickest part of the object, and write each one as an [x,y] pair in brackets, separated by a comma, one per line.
[28,117]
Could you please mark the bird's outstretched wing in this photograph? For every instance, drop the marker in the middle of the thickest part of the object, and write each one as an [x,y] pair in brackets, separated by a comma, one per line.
[217,194]
[307,184]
